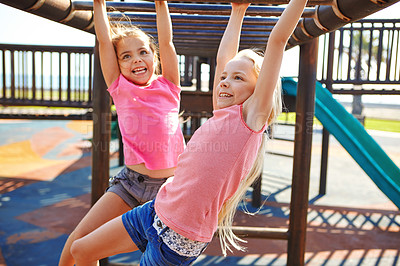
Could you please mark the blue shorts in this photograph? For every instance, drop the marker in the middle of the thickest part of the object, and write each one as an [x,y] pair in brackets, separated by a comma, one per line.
[139,224]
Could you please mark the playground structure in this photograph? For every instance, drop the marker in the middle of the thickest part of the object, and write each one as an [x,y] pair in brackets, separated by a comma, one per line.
[206,32]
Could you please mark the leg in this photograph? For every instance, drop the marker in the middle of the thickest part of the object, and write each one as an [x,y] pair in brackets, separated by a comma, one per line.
[109,206]
[109,239]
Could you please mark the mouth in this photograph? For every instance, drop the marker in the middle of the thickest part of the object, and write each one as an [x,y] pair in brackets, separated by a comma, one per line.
[139,70]
[224,95]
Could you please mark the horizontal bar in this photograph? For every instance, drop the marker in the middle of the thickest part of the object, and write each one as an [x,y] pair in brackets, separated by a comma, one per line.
[369,92]
[205,9]
[46,48]
[179,33]
[269,2]
[196,19]
[261,232]
[200,26]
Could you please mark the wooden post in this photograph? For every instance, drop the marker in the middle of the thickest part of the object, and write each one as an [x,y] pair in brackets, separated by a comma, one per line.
[302,152]
[101,134]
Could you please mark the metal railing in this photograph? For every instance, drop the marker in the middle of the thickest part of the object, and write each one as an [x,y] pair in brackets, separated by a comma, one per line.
[362,58]
[54,76]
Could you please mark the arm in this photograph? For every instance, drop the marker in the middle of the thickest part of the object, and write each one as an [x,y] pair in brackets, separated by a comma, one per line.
[108,57]
[168,57]
[258,107]
[229,44]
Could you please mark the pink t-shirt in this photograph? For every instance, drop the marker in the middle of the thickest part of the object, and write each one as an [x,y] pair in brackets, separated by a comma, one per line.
[218,156]
[148,121]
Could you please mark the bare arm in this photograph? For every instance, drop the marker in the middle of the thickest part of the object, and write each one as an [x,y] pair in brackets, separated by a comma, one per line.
[229,44]
[108,58]
[258,107]
[168,57]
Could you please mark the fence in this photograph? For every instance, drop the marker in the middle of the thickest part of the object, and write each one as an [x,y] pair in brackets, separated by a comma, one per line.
[362,58]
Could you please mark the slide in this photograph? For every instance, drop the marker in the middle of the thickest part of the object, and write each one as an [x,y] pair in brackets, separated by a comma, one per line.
[354,138]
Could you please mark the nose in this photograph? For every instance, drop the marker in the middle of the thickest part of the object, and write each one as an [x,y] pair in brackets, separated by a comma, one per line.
[137,59]
[223,83]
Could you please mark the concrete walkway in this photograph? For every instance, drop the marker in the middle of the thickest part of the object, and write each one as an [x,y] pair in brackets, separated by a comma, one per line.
[45,178]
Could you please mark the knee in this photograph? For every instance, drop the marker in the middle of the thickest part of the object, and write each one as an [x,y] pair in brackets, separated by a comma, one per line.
[78,251]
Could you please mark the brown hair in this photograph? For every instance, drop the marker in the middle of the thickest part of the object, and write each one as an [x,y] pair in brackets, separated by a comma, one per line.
[121,30]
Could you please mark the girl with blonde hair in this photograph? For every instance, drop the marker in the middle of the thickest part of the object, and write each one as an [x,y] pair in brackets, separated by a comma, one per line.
[176,227]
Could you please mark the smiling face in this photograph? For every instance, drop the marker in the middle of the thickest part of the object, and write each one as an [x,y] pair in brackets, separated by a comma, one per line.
[136,60]
[237,82]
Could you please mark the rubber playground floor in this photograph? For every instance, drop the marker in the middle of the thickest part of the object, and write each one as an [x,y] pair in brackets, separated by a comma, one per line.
[45,175]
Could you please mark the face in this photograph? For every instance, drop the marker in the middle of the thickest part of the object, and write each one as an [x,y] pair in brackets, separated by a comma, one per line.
[136,60]
[237,83]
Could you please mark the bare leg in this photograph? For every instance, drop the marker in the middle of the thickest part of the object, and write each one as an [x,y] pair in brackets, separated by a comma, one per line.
[107,240]
[109,206]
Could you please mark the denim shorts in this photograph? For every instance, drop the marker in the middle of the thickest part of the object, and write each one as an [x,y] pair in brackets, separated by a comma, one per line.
[139,224]
[134,188]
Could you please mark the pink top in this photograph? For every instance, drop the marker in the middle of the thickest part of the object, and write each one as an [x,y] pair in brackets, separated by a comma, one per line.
[218,156]
[148,121]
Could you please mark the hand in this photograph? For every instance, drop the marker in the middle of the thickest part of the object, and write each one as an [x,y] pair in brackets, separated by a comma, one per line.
[240,5]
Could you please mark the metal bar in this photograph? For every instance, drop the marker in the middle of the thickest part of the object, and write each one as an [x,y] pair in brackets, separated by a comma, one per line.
[396,65]
[3,64]
[379,55]
[101,132]
[324,161]
[51,76]
[41,76]
[397,56]
[203,9]
[370,52]
[194,19]
[90,78]
[12,55]
[69,77]
[358,63]
[55,10]
[339,68]
[305,101]
[389,53]
[369,92]
[23,74]
[325,132]
[201,26]
[354,9]
[269,2]
[261,232]
[60,76]
[350,54]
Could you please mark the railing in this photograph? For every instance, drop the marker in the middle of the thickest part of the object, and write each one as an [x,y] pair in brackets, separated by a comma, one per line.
[62,76]
[362,58]
[55,76]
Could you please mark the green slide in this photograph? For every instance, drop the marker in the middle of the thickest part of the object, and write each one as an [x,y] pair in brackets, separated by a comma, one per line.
[355,139]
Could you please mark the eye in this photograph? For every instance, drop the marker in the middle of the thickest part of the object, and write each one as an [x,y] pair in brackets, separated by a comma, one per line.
[222,78]
[144,52]
[238,78]
[126,56]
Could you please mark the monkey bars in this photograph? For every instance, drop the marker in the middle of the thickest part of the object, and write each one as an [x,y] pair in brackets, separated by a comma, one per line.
[197,31]
[209,20]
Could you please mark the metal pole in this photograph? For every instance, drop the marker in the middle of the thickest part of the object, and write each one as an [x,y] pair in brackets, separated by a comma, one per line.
[325,133]
[302,152]
[101,134]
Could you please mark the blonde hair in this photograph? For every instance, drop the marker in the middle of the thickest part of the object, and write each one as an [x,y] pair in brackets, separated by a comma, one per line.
[225,217]
[120,30]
